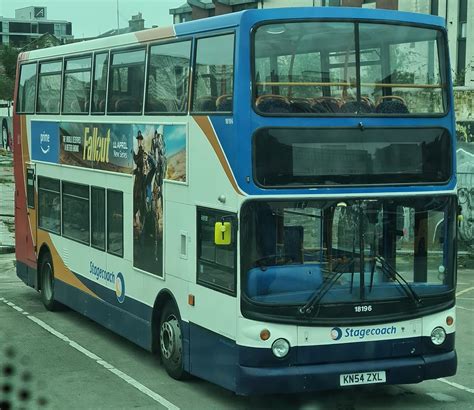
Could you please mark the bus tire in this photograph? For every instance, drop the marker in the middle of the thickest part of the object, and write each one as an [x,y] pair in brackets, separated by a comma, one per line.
[171,342]
[47,283]
[4,134]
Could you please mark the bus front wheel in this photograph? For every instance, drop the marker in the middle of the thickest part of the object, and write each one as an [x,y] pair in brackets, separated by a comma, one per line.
[47,283]
[171,342]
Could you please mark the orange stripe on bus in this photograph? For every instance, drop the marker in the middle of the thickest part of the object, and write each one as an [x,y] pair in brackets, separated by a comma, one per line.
[61,271]
[158,33]
[205,125]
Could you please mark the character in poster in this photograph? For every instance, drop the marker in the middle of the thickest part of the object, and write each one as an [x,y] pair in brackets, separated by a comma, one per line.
[159,155]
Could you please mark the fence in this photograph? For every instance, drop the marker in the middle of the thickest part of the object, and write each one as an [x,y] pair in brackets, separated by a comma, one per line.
[7,203]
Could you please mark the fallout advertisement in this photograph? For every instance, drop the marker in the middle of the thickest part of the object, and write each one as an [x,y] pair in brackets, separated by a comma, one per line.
[159,152]
[99,146]
[151,153]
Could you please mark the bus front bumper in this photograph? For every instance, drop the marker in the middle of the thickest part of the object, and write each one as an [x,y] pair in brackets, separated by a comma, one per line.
[309,378]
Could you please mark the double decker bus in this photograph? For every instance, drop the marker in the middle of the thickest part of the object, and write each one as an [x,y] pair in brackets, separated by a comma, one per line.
[266,199]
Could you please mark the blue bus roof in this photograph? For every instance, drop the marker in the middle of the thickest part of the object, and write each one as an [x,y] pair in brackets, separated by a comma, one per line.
[343,13]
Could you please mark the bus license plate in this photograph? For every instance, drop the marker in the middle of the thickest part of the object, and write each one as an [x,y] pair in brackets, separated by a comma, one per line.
[362,378]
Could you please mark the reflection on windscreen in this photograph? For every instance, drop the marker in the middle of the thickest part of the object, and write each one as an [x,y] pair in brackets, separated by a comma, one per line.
[311,68]
[365,248]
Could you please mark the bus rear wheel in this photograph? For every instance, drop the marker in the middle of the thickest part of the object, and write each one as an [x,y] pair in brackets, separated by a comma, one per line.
[47,283]
[171,342]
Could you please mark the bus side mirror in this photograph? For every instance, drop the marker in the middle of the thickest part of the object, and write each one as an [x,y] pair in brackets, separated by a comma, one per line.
[222,233]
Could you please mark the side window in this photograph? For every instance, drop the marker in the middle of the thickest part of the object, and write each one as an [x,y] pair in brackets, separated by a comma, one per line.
[27,89]
[214,74]
[168,78]
[126,82]
[98,218]
[49,87]
[49,207]
[30,187]
[115,222]
[77,85]
[99,85]
[216,266]
[76,212]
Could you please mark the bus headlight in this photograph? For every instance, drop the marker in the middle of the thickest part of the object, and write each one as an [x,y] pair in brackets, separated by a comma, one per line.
[438,336]
[280,348]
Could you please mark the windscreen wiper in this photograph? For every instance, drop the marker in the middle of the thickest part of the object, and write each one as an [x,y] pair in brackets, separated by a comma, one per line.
[390,271]
[307,309]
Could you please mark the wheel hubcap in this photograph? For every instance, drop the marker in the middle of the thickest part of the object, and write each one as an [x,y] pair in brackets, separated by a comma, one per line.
[48,282]
[170,339]
[4,137]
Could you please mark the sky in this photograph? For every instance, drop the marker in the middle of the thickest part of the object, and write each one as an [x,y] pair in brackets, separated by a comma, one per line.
[92,17]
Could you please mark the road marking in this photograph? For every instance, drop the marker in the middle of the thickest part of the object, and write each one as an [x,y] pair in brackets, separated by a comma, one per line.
[458,386]
[463,298]
[463,308]
[465,291]
[130,380]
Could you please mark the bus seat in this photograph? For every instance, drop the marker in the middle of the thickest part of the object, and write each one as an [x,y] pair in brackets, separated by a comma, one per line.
[100,107]
[391,104]
[326,105]
[362,107]
[127,104]
[300,105]
[293,242]
[224,102]
[205,103]
[271,103]
[156,106]
[283,279]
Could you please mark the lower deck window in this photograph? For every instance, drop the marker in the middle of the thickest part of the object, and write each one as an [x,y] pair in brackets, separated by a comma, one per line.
[215,264]
[76,212]
[115,222]
[49,201]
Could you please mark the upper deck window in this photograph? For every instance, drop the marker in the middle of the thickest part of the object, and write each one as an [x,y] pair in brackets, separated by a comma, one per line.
[126,82]
[49,87]
[27,89]
[214,74]
[334,68]
[101,65]
[77,85]
[168,78]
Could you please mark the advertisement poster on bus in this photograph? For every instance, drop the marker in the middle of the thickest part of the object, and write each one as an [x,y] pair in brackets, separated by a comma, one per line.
[158,153]
[149,152]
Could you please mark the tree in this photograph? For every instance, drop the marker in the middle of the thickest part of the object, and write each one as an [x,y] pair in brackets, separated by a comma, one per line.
[6,87]
[8,59]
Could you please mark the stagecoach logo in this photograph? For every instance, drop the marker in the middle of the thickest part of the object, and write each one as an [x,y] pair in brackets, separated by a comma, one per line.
[350,333]
[116,279]
[45,140]
[120,287]
[336,333]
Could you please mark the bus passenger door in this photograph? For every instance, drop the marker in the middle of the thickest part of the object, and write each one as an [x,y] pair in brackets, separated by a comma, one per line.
[213,319]
[31,210]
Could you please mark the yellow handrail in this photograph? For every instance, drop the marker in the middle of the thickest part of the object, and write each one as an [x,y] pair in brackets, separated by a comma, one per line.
[344,84]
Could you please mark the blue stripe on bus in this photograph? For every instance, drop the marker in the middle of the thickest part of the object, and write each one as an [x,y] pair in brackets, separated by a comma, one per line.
[217,359]
[109,296]
[249,17]
[242,166]
[107,314]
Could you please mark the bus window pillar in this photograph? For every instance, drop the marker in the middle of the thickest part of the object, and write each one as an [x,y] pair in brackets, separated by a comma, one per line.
[420,262]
